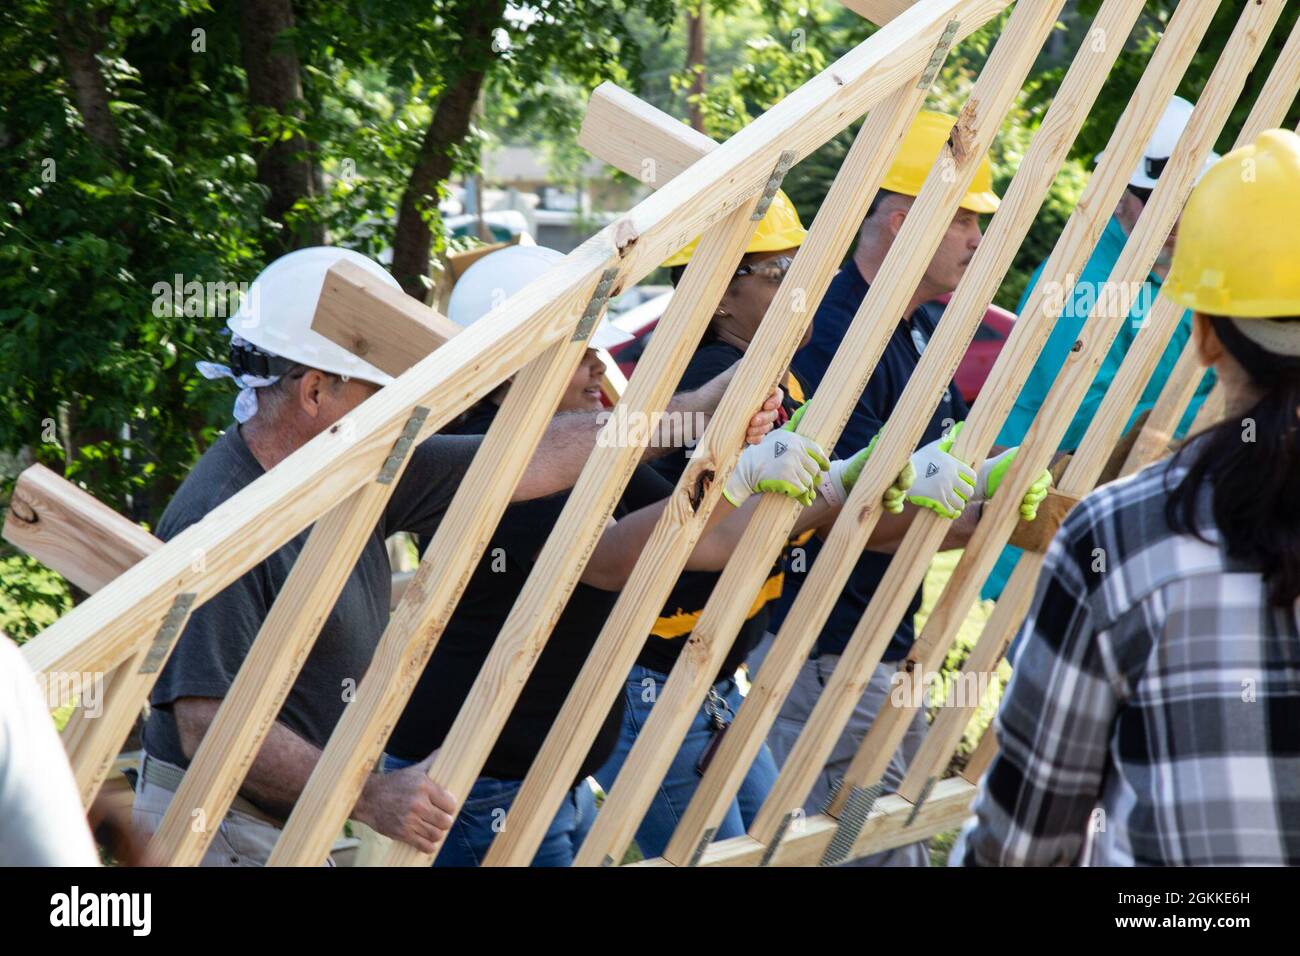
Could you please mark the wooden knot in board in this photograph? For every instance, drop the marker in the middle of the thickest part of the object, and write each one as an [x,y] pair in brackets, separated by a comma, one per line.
[1077,346]
[22,509]
[700,485]
[625,236]
[963,132]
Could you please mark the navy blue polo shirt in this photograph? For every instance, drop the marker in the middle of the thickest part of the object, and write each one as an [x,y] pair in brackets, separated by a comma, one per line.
[901,355]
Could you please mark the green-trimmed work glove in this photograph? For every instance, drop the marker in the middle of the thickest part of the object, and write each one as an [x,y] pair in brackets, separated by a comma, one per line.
[783,463]
[843,475]
[994,469]
[943,483]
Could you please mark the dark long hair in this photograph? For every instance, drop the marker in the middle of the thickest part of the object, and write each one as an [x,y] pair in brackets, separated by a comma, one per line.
[1255,480]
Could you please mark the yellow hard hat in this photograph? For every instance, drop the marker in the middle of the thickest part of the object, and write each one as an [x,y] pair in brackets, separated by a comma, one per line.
[779,228]
[916,156]
[1232,257]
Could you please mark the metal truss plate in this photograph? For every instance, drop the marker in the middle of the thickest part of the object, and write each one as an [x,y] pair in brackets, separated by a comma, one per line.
[599,299]
[939,55]
[783,165]
[777,837]
[175,619]
[705,839]
[857,807]
[402,447]
[920,801]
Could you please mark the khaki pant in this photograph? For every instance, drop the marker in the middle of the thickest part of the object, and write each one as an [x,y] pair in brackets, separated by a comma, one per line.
[794,714]
[241,838]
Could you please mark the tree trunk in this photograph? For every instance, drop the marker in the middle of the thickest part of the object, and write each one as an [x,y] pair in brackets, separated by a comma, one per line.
[79,42]
[274,86]
[413,238]
[695,64]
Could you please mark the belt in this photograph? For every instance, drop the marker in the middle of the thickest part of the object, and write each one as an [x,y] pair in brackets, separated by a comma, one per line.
[169,776]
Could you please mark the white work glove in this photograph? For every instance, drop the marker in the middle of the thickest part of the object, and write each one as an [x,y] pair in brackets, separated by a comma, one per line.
[943,483]
[994,469]
[784,463]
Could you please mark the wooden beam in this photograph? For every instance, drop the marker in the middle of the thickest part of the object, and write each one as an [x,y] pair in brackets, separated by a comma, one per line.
[891,823]
[1155,436]
[376,322]
[636,138]
[249,708]
[85,541]
[878,12]
[613,383]
[949,725]
[70,532]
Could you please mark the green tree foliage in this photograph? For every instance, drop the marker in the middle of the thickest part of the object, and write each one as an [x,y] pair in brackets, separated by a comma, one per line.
[134,153]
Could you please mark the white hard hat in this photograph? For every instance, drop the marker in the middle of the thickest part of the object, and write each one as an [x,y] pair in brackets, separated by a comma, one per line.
[1161,146]
[499,275]
[276,314]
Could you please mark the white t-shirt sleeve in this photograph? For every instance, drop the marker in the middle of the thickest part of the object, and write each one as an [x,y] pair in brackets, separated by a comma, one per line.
[41,819]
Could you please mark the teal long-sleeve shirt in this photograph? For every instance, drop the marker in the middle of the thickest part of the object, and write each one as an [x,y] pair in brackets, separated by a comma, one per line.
[1050,362]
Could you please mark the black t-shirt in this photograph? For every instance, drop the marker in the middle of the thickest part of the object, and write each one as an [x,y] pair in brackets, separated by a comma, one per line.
[897,362]
[488,600]
[220,632]
[691,593]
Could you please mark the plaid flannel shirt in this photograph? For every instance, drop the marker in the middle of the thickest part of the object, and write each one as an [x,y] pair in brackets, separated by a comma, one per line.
[1153,717]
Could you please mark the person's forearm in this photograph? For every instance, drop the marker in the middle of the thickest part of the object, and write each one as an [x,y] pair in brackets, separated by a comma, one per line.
[620,545]
[890,530]
[560,455]
[280,770]
[567,443]
[569,439]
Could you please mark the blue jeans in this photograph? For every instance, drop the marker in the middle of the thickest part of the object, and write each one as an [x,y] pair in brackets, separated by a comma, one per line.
[483,813]
[678,786]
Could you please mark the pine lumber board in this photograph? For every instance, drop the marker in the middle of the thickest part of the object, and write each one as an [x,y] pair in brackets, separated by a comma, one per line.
[351,299]
[890,824]
[413,630]
[878,12]
[69,531]
[623,130]
[287,635]
[1156,436]
[981,757]
[72,533]
[949,724]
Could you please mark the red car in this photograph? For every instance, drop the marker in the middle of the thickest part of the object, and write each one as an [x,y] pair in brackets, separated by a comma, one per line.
[970,377]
